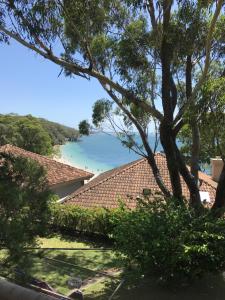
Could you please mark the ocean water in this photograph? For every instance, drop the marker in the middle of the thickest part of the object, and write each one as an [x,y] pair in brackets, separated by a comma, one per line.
[99,152]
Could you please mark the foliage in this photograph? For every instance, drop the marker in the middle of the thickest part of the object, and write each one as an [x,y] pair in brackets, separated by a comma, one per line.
[211,122]
[170,242]
[101,109]
[84,127]
[24,204]
[59,133]
[33,137]
[74,218]
[33,134]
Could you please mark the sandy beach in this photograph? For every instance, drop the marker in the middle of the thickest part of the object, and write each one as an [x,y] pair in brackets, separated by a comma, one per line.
[67,162]
[64,161]
[58,157]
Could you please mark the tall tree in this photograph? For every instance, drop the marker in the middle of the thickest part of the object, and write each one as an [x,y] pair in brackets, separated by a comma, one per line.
[154,55]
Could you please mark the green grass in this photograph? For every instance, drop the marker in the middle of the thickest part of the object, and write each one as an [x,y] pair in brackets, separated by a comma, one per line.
[68,264]
[58,241]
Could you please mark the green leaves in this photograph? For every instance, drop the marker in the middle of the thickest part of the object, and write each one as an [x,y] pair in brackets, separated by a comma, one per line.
[24,204]
[170,242]
[33,134]
[74,218]
[101,110]
[211,111]
[84,127]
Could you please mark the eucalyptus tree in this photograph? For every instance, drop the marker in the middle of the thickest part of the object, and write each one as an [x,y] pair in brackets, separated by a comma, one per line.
[151,57]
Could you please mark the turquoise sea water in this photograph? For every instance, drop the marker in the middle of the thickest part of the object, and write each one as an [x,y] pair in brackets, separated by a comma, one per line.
[99,152]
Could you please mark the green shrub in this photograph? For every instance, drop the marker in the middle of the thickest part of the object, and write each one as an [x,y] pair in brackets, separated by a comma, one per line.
[170,242]
[74,218]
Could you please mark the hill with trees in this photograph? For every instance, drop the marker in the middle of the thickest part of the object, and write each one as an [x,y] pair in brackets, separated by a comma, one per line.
[34,134]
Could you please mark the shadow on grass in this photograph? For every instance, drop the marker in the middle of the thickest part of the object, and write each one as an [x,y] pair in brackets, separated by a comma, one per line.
[57,267]
[88,259]
[92,240]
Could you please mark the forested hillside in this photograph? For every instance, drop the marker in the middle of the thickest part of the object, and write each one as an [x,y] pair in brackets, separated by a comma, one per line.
[34,134]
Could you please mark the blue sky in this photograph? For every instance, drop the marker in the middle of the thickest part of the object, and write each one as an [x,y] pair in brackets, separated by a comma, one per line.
[30,85]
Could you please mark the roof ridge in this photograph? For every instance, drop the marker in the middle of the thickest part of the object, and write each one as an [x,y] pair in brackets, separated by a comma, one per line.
[121,170]
[208,180]
[43,156]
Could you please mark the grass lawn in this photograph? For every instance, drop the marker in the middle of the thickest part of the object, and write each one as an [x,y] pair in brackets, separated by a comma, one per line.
[56,267]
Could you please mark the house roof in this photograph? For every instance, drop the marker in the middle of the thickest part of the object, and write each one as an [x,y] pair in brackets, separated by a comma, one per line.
[57,173]
[127,183]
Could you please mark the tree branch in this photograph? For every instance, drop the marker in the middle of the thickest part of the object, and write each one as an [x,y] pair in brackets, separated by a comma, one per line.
[81,71]
[150,154]
[207,61]
[151,10]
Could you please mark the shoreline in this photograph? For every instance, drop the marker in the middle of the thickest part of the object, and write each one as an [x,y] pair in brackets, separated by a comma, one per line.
[59,158]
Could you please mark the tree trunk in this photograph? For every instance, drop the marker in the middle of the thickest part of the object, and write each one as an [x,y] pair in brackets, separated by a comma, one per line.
[169,99]
[219,204]
[172,164]
[195,200]
[195,149]
[154,167]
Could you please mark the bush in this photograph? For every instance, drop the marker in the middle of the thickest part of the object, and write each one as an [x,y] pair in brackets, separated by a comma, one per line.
[170,242]
[74,218]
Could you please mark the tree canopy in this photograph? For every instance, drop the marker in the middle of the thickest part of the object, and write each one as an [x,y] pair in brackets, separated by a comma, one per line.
[84,127]
[34,134]
[24,204]
[153,59]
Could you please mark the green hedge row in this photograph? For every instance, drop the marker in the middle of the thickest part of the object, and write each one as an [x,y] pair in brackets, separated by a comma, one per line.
[74,218]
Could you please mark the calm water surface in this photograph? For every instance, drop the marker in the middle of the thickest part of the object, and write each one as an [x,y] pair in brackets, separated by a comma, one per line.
[99,152]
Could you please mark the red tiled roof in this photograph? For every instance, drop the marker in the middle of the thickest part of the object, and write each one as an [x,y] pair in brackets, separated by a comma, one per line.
[56,172]
[127,183]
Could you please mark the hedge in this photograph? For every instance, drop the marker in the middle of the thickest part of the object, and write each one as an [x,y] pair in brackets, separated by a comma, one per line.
[74,218]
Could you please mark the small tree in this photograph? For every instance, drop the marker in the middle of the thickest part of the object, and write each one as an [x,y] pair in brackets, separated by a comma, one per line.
[84,127]
[24,205]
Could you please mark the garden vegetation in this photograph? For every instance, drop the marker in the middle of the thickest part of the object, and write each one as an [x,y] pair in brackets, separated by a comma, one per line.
[157,238]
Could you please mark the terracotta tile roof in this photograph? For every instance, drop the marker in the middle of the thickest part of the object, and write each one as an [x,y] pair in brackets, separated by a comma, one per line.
[127,183]
[56,172]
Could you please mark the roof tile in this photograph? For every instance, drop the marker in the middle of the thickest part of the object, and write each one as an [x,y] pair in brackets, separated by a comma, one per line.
[56,172]
[127,183]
